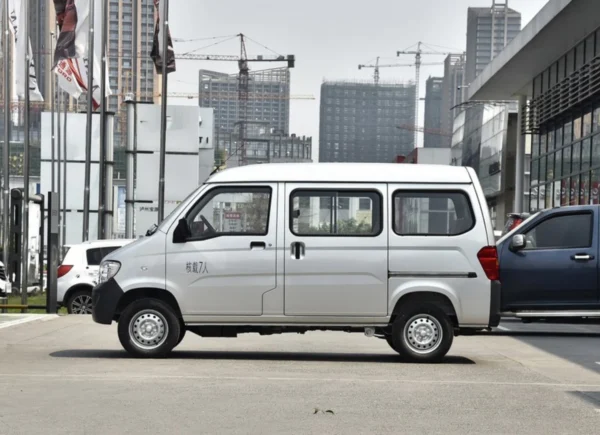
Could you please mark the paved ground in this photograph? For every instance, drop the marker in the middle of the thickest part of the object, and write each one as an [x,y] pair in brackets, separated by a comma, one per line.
[69,375]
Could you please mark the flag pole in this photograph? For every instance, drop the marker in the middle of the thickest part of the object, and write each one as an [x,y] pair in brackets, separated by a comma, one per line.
[88,127]
[25,221]
[6,148]
[53,115]
[102,157]
[164,17]
[64,180]
[58,157]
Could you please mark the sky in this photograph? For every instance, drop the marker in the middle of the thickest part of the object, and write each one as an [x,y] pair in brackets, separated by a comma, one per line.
[329,38]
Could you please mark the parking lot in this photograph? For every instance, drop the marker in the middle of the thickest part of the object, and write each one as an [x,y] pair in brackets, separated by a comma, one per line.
[69,375]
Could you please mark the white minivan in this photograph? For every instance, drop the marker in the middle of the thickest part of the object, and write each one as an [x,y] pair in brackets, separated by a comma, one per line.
[405,253]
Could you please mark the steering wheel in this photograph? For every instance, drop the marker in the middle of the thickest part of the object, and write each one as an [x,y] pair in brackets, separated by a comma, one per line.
[207,223]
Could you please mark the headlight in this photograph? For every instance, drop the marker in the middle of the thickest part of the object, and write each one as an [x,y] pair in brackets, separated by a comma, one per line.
[108,269]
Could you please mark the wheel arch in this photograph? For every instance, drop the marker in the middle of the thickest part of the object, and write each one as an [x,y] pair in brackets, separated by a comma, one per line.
[428,294]
[154,293]
[69,293]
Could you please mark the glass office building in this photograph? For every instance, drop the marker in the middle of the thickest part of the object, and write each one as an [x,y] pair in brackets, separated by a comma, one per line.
[565,166]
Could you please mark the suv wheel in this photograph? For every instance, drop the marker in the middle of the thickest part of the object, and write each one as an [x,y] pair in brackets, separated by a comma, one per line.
[422,333]
[80,302]
[148,328]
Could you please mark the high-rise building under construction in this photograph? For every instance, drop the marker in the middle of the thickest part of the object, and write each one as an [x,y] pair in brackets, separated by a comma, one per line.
[365,122]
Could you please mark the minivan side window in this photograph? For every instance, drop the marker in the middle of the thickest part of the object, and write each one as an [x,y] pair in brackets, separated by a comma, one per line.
[231,211]
[432,213]
[567,231]
[335,213]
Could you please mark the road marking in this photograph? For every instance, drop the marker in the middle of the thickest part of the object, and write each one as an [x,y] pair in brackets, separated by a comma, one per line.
[28,318]
[8,377]
[502,328]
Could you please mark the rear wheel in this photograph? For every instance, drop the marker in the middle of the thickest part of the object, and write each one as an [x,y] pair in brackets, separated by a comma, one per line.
[422,333]
[80,302]
[149,328]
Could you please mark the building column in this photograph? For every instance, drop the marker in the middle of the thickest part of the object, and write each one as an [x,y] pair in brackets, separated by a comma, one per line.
[520,157]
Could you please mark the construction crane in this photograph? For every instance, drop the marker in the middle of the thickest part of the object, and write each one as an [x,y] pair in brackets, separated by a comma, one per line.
[376,66]
[417,128]
[418,53]
[243,80]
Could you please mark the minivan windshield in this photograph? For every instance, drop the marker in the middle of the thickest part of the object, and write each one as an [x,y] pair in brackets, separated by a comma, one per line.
[177,209]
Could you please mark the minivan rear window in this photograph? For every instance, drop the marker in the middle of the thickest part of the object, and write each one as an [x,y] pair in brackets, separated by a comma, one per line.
[432,213]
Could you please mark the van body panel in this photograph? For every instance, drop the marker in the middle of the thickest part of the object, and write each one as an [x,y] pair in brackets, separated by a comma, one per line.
[338,275]
[440,263]
[142,263]
[482,204]
[224,275]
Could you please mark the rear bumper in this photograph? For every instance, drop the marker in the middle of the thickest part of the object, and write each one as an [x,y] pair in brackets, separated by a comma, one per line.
[495,299]
[105,300]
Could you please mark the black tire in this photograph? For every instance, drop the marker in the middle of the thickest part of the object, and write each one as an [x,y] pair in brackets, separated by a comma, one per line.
[181,332]
[390,341]
[426,319]
[164,326]
[80,302]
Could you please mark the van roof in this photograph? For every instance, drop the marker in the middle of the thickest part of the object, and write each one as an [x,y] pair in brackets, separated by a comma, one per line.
[344,173]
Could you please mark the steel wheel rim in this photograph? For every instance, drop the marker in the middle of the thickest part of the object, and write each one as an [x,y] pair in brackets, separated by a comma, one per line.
[148,329]
[423,334]
[82,304]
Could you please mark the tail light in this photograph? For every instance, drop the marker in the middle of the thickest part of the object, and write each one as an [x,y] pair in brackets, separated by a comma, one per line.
[515,223]
[488,257]
[63,270]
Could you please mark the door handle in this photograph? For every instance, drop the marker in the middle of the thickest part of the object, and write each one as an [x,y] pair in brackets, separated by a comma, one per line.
[582,257]
[258,245]
[298,249]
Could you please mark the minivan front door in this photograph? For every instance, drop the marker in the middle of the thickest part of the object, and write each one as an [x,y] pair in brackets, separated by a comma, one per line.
[228,260]
[335,250]
[558,268]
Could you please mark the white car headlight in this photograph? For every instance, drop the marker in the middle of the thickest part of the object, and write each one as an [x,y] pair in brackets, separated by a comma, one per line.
[108,269]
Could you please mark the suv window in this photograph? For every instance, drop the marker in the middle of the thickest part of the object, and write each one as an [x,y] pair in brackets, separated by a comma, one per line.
[95,255]
[335,213]
[232,211]
[567,231]
[432,213]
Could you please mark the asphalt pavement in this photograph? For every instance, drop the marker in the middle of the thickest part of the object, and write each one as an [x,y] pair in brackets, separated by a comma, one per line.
[70,376]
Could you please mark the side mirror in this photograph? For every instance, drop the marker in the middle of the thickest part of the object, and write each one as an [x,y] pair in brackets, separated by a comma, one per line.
[182,232]
[518,242]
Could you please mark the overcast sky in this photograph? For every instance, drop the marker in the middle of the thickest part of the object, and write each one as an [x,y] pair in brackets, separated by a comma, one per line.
[329,38]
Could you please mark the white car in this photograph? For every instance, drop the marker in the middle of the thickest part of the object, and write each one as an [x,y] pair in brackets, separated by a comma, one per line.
[78,273]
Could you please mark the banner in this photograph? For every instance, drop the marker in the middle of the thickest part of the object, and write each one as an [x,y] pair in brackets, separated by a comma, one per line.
[21,48]
[157,53]
[71,55]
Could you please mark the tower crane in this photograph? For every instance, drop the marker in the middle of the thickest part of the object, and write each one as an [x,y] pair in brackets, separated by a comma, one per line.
[418,53]
[243,80]
[376,66]
[417,128]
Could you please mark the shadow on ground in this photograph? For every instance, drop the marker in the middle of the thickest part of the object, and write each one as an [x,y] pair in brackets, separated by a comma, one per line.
[256,356]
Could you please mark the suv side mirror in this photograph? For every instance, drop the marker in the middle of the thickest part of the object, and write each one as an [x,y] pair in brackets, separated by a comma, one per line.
[518,242]
[182,232]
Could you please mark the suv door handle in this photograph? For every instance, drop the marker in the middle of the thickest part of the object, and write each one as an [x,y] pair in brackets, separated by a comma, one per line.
[258,245]
[298,249]
[582,257]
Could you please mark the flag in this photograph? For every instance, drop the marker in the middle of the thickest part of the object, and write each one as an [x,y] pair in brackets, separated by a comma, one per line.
[71,55]
[22,46]
[158,50]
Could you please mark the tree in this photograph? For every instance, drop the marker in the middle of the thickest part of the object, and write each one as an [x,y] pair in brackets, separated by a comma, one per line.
[350,226]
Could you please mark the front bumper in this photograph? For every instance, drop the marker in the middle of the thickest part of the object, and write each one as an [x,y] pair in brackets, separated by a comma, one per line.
[495,304]
[105,300]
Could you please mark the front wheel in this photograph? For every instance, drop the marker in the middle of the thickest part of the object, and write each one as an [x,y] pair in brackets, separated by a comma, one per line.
[80,302]
[422,333]
[149,328]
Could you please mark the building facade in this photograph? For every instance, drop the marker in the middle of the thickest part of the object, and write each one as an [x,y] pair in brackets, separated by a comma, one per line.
[452,92]
[565,165]
[268,100]
[489,30]
[364,122]
[433,113]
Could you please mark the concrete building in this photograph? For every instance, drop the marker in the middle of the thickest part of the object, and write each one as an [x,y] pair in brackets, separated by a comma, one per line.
[452,92]
[550,67]
[488,32]
[359,121]
[268,100]
[433,112]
